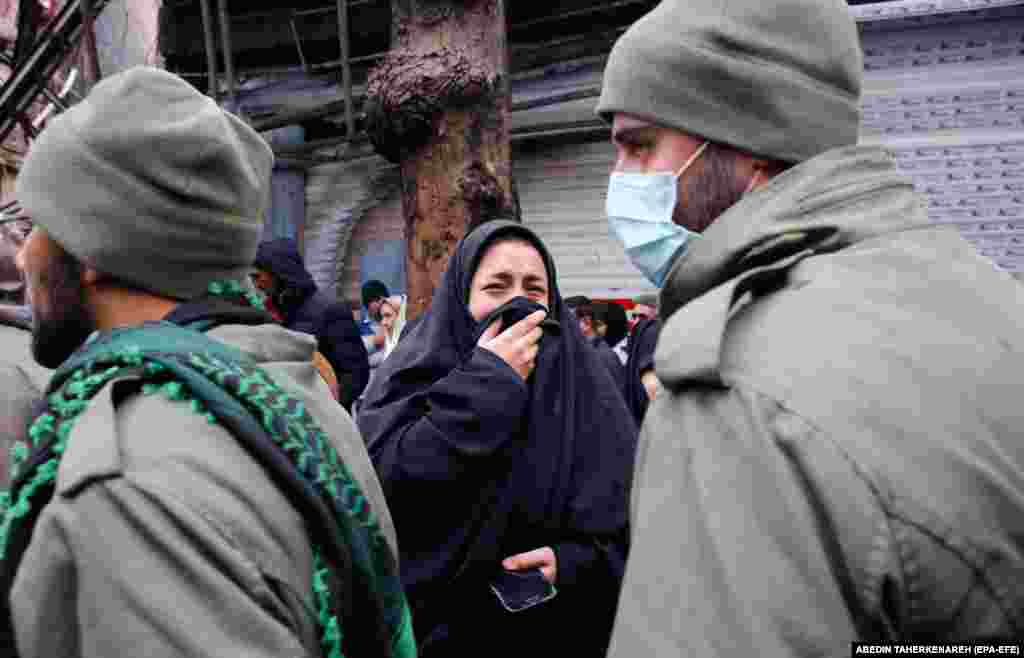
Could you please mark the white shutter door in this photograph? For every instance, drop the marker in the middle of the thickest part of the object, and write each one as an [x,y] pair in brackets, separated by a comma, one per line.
[562,193]
[947,98]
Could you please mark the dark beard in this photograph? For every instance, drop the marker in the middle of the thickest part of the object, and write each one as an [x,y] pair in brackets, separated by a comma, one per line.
[710,191]
[60,329]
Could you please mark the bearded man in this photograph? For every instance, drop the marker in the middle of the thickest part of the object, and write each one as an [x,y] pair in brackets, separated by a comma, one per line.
[834,452]
[190,487]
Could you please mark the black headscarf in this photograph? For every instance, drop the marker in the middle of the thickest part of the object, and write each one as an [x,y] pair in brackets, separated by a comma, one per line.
[569,479]
[615,320]
[641,357]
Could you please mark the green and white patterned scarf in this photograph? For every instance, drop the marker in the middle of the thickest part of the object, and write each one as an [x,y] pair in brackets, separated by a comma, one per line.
[356,586]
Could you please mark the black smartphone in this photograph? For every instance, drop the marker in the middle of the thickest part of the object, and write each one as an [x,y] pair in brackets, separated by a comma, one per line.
[522,590]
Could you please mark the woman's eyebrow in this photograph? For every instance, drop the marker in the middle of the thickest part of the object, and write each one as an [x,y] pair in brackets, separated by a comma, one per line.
[504,276]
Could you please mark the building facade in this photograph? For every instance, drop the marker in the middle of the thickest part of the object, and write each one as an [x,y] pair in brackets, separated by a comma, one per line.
[944,90]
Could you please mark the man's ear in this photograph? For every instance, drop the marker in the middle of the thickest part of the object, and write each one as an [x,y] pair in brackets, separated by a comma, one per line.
[766,168]
[90,277]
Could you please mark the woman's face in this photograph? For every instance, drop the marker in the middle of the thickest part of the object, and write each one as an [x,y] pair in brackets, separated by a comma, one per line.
[509,268]
[388,313]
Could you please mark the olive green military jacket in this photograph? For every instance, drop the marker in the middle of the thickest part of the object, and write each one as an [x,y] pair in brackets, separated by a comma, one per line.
[16,350]
[21,384]
[838,449]
[165,538]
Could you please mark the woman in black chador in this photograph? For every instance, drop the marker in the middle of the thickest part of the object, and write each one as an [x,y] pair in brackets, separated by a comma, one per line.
[503,445]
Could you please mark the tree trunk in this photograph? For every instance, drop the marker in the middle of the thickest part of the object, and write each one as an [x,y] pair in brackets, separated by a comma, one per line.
[438,105]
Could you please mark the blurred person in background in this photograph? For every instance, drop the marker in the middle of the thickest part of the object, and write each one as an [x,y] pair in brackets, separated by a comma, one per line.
[22,380]
[613,326]
[592,328]
[374,337]
[293,295]
[645,307]
[391,312]
[641,383]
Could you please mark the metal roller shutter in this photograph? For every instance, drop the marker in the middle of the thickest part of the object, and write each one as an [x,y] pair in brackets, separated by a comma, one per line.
[945,94]
[562,192]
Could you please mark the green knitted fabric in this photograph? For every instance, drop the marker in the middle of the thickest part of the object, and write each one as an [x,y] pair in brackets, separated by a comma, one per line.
[221,384]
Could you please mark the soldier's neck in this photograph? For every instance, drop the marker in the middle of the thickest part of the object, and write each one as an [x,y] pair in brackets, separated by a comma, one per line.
[115,306]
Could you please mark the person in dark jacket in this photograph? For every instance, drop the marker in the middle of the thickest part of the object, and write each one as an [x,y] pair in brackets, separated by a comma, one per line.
[614,327]
[292,293]
[586,314]
[641,383]
[374,292]
[502,450]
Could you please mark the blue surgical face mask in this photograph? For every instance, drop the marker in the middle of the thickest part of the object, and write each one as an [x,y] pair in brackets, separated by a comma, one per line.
[640,208]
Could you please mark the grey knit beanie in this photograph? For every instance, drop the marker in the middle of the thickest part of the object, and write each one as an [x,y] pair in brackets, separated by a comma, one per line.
[777,78]
[152,182]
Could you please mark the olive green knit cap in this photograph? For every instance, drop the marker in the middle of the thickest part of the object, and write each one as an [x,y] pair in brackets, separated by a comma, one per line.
[778,78]
[152,182]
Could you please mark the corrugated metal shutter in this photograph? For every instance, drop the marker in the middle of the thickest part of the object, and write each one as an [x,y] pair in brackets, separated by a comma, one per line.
[338,197]
[562,192]
[948,101]
[561,188]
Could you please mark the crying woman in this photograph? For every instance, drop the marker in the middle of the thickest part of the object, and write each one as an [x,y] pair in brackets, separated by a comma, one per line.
[505,451]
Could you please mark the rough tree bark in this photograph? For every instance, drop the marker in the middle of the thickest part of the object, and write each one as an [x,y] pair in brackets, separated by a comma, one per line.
[438,105]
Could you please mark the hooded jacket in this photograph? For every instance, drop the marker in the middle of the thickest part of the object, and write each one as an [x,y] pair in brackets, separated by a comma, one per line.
[310,311]
[165,537]
[837,451]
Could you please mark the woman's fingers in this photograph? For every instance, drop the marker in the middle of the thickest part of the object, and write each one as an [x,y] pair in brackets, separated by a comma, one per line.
[527,357]
[518,345]
[526,325]
[533,337]
[542,558]
[490,333]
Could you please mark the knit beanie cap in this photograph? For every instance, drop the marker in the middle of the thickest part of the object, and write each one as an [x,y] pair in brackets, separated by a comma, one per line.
[152,182]
[777,78]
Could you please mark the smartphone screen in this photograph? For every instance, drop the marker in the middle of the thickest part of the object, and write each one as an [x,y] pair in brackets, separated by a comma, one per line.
[522,590]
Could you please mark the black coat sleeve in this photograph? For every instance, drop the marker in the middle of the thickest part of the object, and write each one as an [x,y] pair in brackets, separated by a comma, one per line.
[340,343]
[611,363]
[435,464]
[465,416]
